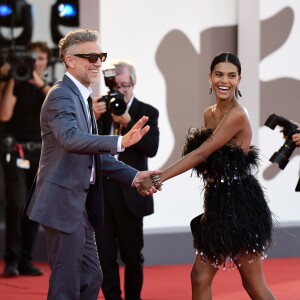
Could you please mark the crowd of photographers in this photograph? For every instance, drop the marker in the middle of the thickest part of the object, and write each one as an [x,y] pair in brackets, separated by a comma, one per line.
[23,88]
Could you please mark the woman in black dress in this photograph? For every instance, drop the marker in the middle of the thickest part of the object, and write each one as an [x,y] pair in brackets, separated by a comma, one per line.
[236,227]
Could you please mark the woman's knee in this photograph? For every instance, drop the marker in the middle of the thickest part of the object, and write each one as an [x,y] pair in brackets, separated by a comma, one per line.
[257,289]
[200,278]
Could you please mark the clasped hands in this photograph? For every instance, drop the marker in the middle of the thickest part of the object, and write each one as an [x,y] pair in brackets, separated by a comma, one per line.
[147,182]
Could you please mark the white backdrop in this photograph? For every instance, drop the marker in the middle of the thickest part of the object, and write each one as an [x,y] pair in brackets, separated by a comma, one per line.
[282,63]
[133,29]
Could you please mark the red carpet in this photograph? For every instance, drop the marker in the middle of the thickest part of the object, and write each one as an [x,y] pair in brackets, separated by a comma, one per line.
[173,283]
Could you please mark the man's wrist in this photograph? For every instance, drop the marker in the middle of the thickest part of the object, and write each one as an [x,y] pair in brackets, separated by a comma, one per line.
[133,184]
[120,147]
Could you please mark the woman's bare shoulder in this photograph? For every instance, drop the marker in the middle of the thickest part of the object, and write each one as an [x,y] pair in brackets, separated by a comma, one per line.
[239,111]
[209,110]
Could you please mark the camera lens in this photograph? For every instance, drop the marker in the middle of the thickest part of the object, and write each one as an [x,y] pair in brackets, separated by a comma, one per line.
[283,154]
[117,106]
[21,71]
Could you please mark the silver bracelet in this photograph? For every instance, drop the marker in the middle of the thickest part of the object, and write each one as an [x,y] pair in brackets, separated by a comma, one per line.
[156,181]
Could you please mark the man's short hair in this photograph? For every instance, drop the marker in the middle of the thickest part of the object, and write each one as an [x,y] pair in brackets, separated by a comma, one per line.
[68,43]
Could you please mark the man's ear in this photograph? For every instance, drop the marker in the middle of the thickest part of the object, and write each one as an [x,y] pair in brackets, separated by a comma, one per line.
[70,61]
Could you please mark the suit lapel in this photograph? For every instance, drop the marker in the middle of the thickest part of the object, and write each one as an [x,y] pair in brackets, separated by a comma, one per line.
[133,111]
[133,108]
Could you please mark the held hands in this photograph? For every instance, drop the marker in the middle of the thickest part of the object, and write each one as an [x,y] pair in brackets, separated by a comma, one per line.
[151,187]
[136,133]
[146,182]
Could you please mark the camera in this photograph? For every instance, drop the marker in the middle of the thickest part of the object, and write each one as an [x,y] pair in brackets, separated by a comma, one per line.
[114,99]
[21,63]
[283,154]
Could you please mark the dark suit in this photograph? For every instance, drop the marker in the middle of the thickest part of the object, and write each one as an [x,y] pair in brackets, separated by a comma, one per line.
[59,198]
[124,211]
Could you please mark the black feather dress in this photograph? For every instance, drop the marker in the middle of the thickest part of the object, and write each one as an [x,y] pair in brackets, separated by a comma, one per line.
[236,219]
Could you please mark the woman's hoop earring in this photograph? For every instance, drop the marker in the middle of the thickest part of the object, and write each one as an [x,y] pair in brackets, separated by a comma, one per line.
[210,90]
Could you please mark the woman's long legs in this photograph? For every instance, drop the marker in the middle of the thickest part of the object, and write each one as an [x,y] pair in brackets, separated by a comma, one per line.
[202,276]
[253,278]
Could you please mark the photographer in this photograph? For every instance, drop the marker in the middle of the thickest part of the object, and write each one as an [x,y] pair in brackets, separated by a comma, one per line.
[20,105]
[124,209]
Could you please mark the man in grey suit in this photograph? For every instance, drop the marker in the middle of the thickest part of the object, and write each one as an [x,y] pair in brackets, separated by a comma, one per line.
[67,197]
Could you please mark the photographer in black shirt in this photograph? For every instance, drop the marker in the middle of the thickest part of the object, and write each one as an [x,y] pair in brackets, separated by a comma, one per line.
[20,105]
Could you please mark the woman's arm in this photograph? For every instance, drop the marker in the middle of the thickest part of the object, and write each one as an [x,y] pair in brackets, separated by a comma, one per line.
[231,125]
[234,124]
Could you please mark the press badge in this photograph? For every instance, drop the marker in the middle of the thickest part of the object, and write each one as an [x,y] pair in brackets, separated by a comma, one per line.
[23,163]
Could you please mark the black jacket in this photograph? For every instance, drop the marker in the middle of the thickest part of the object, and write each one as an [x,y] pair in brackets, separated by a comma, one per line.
[137,155]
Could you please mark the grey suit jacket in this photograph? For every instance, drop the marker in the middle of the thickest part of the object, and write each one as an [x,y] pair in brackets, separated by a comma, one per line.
[59,196]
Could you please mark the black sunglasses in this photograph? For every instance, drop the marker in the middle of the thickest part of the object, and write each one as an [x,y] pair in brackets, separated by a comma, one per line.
[93,57]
